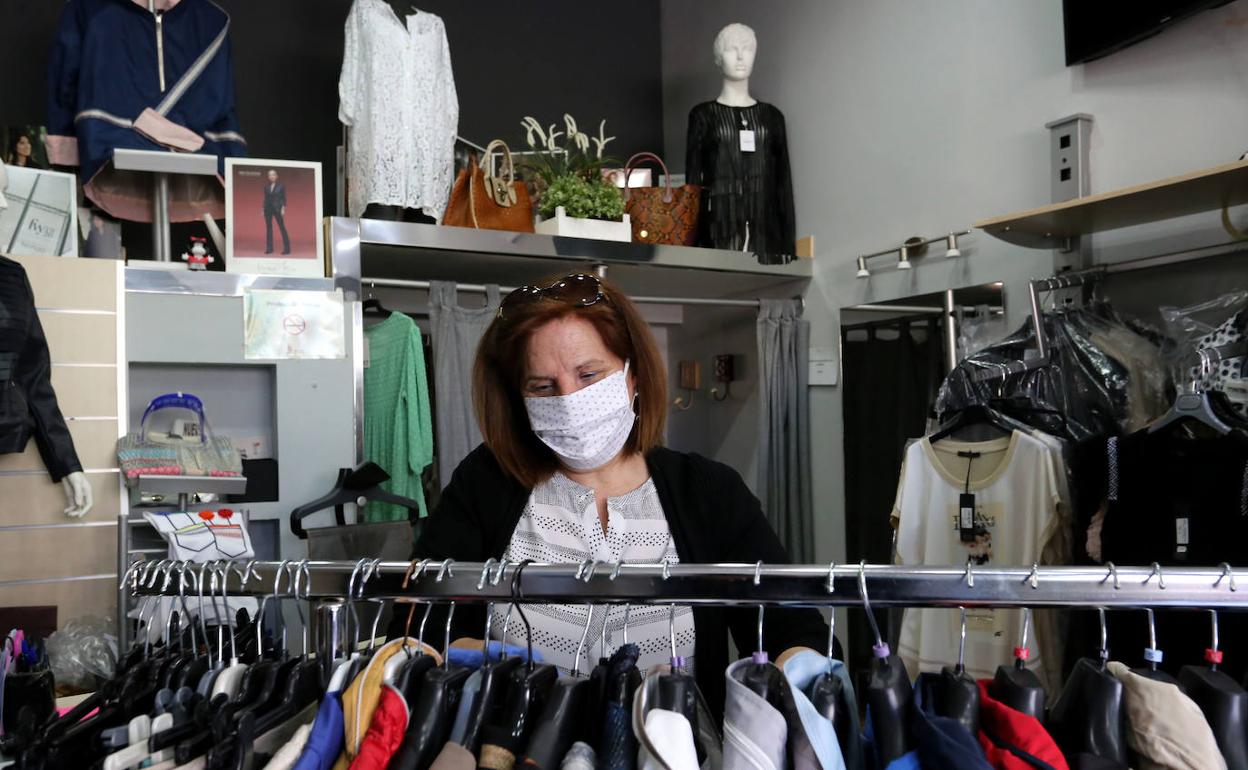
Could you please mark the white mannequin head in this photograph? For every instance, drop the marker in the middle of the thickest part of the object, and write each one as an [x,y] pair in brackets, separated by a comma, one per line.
[735,46]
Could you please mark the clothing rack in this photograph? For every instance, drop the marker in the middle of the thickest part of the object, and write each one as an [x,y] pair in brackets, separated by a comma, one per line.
[476,288]
[745,585]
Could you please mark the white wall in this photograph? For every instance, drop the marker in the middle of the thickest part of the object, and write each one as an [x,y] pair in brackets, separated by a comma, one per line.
[908,117]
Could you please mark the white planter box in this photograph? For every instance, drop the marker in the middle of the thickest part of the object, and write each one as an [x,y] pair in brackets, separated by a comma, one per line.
[575,227]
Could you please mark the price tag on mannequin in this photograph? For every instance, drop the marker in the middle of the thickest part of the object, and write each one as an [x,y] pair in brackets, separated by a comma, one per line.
[747,140]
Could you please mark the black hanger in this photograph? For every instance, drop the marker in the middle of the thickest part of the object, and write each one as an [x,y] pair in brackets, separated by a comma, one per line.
[976,414]
[1018,686]
[568,711]
[495,679]
[362,481]
[758,674]
[889,694]
[1221,699]
[827,692]
[373,306]
[1087,717]
[530,685]
[957,693]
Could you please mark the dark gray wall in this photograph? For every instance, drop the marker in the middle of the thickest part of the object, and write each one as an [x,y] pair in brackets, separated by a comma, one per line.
[542,58]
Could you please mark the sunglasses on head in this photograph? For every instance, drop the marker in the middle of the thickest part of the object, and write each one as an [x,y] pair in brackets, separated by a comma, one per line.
[579,290]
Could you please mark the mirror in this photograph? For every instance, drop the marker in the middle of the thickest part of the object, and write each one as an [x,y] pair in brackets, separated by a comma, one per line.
[894,356]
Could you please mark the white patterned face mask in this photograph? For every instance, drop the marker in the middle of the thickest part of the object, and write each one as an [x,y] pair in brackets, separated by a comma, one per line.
[588,428]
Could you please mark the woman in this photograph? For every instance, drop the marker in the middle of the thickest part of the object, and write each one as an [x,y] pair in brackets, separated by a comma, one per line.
[570,394]
[22,152]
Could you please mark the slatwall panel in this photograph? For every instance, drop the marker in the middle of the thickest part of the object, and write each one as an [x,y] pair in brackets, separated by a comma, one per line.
[47,558]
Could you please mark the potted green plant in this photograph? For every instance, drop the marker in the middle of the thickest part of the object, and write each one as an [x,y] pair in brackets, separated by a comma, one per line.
[574,199]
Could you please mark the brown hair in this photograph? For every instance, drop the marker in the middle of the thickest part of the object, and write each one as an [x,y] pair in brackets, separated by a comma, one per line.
[498,378]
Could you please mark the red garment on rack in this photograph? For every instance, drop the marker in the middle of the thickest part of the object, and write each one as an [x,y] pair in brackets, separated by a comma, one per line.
[1013,740]
[385,732]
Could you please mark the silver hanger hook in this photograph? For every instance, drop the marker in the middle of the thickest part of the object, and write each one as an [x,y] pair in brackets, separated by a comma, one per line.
[130,572]
[199,591]
[1112,572]
[880,646]
[758,579]
[615,573]
[831,586]
[1152,636]
[485,573]
[1161,578]
[371,571]
[580,647]
[1227,572]
[1213,654]
[1033,577]
[970,574]
[667,570]
[1104,650]
[354,594]
[225,601]
[961,642]
[628,611]
[1026,628]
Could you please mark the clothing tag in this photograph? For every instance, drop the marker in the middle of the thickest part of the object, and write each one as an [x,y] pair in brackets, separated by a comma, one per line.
[366,352]
[1182,536]
[747,140]
[1236,390]
[966,516]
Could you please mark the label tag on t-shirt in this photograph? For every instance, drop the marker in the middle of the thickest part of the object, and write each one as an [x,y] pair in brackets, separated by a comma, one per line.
[747,140]
[1182,535]
[966,516]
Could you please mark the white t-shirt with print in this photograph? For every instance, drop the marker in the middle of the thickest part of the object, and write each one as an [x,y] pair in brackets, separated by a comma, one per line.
[1016,497]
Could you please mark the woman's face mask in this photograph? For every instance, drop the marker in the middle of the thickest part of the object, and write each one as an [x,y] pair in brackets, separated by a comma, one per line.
[588,428]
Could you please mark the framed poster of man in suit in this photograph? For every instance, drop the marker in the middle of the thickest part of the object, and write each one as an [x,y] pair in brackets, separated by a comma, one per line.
[274,217]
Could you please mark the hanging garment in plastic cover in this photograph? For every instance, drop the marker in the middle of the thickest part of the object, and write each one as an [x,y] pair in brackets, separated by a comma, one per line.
[1082,393]
[1218,324]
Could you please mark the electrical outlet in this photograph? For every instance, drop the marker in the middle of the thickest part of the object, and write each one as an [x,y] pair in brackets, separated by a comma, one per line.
[690,375]
[724,370]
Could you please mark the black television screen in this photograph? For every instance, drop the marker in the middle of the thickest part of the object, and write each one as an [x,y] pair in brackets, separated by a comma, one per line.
[1096,28]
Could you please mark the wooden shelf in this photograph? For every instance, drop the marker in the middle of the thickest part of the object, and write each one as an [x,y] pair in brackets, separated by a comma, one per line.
[1049,227]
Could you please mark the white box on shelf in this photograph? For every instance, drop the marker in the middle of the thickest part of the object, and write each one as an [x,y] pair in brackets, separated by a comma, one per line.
[575,227]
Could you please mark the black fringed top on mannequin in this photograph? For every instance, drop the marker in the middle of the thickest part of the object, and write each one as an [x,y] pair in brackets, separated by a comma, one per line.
[742,188]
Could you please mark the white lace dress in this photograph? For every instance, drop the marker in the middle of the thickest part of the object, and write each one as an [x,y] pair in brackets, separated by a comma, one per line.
[397,96]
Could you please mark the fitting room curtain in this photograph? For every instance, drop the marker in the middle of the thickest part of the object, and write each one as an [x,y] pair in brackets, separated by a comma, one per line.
[783,425]
[456,331]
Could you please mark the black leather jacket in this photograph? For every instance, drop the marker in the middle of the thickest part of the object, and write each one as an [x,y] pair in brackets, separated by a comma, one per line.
[27,402]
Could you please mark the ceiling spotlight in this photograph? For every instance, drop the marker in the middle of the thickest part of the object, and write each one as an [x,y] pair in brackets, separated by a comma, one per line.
[904,262]
[951,244]
[863,272]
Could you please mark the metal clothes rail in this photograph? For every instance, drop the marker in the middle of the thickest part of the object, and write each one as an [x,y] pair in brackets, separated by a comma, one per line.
[476,288]
[711,584]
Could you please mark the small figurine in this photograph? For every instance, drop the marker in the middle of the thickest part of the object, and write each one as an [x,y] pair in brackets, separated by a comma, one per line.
[198,257]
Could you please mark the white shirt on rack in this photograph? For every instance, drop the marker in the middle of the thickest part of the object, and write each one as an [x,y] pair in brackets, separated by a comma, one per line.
[560,525]
[1016,497]
[397,96]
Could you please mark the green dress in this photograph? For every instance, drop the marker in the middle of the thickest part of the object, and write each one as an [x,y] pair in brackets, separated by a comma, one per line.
[398,429]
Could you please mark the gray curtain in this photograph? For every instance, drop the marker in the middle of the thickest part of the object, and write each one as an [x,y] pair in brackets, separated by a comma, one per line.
[455,334]
[783,425]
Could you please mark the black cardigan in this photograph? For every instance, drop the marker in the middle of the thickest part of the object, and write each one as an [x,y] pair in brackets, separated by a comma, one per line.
[713,518]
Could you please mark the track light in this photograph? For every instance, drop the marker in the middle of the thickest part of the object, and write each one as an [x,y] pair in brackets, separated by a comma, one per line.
[904,262]
[863,272]
[951,243]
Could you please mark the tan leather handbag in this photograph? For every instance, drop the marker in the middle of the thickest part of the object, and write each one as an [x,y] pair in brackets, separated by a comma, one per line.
[665,214]
[480,199]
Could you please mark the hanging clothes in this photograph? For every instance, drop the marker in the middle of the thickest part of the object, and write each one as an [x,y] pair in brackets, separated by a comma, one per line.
[784,424]
[397,96]
[398,427]
[1166,498]
[124,77]
[1165,729]
[943,743]
[802,670]
[747,194]
[456,331]
[28,405]
[1012,740]
[1227,374]
[1014,517]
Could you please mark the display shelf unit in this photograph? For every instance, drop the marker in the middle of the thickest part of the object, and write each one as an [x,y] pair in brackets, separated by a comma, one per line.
[367,248]
[1057,225]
